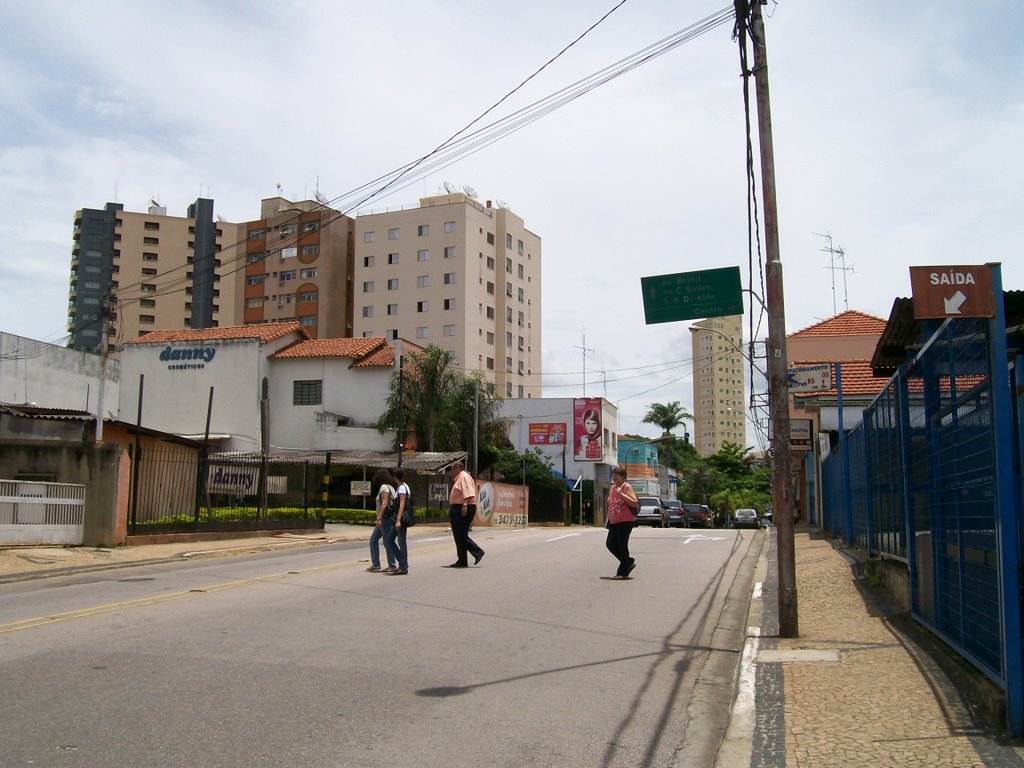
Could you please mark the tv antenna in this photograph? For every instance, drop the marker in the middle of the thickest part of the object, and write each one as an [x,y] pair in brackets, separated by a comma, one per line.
[837,263]
[585,349]
[450,188]
[278,185]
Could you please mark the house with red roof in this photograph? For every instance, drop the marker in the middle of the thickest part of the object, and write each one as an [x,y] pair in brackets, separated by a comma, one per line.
[319,394]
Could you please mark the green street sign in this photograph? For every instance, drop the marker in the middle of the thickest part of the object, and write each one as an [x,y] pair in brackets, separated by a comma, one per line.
[692,295]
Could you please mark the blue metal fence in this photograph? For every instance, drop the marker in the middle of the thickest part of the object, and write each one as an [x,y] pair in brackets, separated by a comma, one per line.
[924,479]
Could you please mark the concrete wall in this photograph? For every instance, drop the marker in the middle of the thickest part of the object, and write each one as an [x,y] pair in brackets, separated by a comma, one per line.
[54,377]
[102,469]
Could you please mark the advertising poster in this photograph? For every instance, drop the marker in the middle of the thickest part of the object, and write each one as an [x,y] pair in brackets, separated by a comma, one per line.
[500,505]
[547,433]
[587,429]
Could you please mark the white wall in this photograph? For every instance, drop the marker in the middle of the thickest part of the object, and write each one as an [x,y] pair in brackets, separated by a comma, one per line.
[359,393]
[559,410]
[55,377]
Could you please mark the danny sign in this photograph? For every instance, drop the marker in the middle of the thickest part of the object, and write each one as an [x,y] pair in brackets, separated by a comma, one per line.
[952,291]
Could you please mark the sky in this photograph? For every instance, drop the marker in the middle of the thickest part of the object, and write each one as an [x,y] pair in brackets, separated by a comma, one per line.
[896,130]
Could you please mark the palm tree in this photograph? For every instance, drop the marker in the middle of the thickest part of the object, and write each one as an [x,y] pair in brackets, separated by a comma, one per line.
[668,416]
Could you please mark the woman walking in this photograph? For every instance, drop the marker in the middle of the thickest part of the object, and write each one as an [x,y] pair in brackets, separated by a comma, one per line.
[383,489]
[399,544]
[622,504]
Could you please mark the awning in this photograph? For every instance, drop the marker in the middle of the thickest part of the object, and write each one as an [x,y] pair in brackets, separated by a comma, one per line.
[428,462]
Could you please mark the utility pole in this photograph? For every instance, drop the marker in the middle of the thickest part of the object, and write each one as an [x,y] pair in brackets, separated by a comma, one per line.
[107,316]
[778,386]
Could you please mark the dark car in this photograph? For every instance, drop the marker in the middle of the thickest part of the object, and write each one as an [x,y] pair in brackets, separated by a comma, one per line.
[745,518]
[676,517]
[697,516]
[651,512]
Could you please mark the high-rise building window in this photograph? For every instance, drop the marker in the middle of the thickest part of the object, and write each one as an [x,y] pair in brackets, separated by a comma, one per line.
[449,278]
[490,263]
[257,234]
[147,288]
[307,274]
[508,240]
[367,261]
[310,250]
[490,363]
[490,238]
[368,311]
[149,256]
[490,287]
[423,255]
[151,240]
[508,266]
[289,229]
[289,252]
[147,319]
[423,230]
[393,233]
[449,226]
[449,303]
[368,286]
[369,237]
[421,332]
[151,225]
[392,309]
[392,258]
[308,296]
[421,306]
[449,251]
[393,284]
[449,330]
[311,226]
[421,281]
[520,247]
[308,320]
[490,338]
[391,334]
[254,303]
[284,277]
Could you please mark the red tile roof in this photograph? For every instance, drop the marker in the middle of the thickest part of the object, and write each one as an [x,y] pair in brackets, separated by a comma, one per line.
[263,332]
[366,352]
[849,323]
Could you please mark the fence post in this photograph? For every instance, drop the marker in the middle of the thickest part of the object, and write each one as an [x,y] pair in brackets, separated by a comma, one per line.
[1008,506]
[844,457]
[906,455]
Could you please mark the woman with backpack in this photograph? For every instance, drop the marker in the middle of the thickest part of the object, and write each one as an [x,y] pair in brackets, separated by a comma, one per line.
[398,537]
[386,500]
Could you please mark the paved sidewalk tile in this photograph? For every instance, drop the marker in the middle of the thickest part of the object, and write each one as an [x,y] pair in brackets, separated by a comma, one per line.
[847,692]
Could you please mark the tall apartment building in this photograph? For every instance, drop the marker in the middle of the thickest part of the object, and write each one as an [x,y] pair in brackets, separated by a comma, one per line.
[299,260]
[153,270]
[459,274]
[719,402]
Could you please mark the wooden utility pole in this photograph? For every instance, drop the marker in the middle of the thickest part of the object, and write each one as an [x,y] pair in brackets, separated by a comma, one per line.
[778,386]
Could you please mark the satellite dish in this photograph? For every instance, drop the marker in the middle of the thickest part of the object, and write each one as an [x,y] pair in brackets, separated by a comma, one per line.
[449,187]
[321,198]
[154,202]
[469,191]
[502,204]
[278,185]
[220,218]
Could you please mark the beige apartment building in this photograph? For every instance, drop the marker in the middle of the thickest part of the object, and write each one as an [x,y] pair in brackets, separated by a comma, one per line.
[719,401]
[298,259]
[459,274]
[134,272]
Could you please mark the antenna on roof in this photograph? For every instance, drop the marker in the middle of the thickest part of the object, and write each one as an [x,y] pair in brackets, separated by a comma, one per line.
[450,188]
[321,198]
[469,191]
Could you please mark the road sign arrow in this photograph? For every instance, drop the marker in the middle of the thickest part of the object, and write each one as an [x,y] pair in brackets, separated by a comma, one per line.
[954,302]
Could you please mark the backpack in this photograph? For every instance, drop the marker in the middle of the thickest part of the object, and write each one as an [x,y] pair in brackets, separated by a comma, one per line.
[391,510]
[409,515]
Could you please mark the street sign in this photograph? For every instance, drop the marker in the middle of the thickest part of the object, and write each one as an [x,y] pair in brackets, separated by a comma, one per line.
[958,291]
[692,295]
[809,378]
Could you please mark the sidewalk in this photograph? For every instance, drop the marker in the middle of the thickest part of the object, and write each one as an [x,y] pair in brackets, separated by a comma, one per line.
[854,689]
[22,563]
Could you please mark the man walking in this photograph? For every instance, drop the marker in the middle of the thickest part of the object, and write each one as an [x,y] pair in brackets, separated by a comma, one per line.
[461,510]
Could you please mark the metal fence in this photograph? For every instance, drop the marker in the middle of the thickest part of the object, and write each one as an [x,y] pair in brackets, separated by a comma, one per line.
[919,481]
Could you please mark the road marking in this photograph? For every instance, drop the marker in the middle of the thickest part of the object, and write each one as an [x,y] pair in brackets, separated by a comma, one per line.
[702,537]
[756,594]
[557,538]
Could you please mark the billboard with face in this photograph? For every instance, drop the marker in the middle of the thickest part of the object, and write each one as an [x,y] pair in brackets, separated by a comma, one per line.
[587,430]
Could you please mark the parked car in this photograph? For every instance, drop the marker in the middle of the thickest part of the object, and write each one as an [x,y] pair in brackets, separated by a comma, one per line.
[676,517]
[745,518]
[651,512]
[697,516]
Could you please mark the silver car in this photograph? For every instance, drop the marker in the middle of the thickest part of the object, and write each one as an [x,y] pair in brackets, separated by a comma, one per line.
[651,512]
[745,518]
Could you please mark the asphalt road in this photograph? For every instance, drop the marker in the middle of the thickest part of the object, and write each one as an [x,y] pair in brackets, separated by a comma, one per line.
[301,658]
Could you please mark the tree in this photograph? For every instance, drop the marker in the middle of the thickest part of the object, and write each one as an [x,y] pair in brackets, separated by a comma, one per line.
[438,404]
[538,469]
[668,416]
